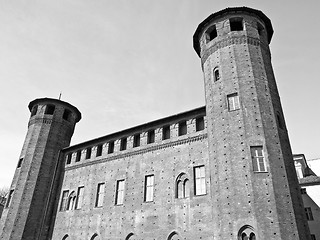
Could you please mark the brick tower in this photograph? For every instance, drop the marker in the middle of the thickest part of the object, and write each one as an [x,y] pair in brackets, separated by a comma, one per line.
[255,192]
[50,129]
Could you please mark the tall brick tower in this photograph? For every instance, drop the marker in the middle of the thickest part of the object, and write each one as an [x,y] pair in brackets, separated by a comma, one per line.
[50,129]
[255,192]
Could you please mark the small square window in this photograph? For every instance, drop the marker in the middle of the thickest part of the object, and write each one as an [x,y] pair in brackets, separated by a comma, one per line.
[123,144]
[151,136]
[233,102]
[99,150]
[111,147]
[34,110]
[303,191]
[211,33]
[182,128]
[236,24]
[49,109]
[88,153]
[165,132]
[199,124]
[78,157]
[67,115]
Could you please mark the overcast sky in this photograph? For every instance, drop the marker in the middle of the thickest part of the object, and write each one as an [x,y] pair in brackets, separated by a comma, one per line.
[127,62]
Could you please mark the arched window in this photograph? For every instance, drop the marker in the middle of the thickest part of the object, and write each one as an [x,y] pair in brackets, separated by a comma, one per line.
[72,200]
[174,236]
[246,233]
[130,236]
[182,186]
[65,237]
[216,74]
[94,237]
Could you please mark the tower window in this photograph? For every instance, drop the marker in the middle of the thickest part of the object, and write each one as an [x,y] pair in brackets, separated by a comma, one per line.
[313,237]
[211,33]
[280,121]
[123,144]
[260,29]
[72,201]
[20,162]
[64,200]
[9,198]
[34,110]
[78,157]
[148,188]
[165,132]
[88,153]
[69,158]
[120,192]
[151,136]
[233,102]
[258,160]
[216,74]
[236,24]
[199,180]
[199,124]
[49,109]
[79,197]
[182,186]
[309,213]
[100,195]
[66,115]
[182,128]
[136,140]
[99,150]
[111,147]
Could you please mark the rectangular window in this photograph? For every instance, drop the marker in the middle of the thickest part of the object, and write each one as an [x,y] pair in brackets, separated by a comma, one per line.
[79,197]
[199,124]
[182,128]
[148,188]
[120,192]
[99,150]
[308,213]
[258,160]
[88,153]
[313,237]
[151,136]
[64,200]
[236,24]
[165,132]
[303,191]
[69,156]
[233,102]
[78,157]
[9,198]
[20,162]
[49,109]
[123,144]
[111,147]
[66,115]
[200,180]
[136,140]
[100,195]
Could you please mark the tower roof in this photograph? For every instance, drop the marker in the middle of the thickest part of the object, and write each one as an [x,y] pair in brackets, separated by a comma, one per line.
[260,14]
[55,101]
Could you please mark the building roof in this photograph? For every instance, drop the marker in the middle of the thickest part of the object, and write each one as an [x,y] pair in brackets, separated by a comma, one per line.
[202,25]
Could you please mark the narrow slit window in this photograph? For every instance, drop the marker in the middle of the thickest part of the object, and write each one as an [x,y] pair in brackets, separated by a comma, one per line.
[236,24]
[9,198]
[88,153]
[151,136]
[111,147]
[123,144]
[280,121]
[34,110]
[258,159]
[182,128]
[200,180]
[149,188]
[69,156]
[99,150]
[119,192]
[100,195]
[66,115]
[49,109]
[216,74]
[78,157]
[211,33]
[233,102]
[136,140]
[20,162]
[199,124]
[165,132]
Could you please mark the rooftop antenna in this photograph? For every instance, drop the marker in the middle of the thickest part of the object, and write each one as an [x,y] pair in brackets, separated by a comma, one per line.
[60,96]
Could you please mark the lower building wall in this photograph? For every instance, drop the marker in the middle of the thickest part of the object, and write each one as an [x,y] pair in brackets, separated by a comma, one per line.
[165,216]
[313,213]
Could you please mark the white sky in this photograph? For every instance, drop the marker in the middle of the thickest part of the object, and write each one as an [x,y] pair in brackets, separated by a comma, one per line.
[124,63]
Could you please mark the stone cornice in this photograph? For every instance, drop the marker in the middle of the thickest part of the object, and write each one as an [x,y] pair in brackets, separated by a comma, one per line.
[139,151]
